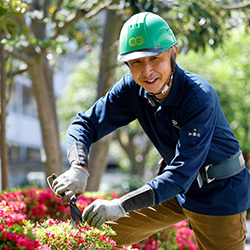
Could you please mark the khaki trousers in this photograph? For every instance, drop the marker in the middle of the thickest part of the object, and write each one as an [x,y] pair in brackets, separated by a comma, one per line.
[211,232]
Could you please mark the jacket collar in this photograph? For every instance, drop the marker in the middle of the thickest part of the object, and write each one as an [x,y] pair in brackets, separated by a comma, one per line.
[173,98]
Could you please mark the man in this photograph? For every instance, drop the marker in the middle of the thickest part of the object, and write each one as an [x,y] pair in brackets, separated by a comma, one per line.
[203,177]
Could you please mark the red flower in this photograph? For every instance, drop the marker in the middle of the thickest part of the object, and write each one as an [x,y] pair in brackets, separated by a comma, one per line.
[51,222]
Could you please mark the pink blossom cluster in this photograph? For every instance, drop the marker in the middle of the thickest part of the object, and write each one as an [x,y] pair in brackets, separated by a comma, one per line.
[185,236]
[39,206]
[178,236]
[12,229]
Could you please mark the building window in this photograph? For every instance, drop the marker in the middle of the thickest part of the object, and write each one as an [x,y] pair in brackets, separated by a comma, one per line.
[33,154]
[14,153]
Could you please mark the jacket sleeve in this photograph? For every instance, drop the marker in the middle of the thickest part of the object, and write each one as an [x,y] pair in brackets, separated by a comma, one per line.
[107,114]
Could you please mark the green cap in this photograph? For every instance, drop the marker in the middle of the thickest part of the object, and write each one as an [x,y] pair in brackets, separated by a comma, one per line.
[144,34]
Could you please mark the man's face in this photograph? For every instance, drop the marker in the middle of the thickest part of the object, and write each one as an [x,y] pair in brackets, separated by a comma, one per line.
[153,72]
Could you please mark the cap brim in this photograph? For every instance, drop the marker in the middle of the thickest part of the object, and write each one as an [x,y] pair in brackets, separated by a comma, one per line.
[139,54]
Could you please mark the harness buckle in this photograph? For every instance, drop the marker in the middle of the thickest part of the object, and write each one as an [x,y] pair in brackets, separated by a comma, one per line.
[208,180]
[202,176]
[228,168]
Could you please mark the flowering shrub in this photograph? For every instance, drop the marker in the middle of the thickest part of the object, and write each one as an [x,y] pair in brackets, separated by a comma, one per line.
[61,235]
[26,223]
[13,233]
[179,236]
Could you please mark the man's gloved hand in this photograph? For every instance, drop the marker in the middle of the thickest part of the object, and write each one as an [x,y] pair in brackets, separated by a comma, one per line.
[72,182]
[101,211]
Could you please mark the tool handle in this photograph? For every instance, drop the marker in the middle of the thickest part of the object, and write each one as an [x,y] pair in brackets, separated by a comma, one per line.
[50,180]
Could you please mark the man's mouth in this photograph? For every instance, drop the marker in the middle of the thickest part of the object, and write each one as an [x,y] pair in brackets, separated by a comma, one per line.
[150,81]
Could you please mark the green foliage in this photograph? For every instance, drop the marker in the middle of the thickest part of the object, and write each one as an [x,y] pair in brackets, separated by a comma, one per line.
[130,184]
[61,235]
[10,12]
[196,24]
[48,25]
[142,5]
[227,69]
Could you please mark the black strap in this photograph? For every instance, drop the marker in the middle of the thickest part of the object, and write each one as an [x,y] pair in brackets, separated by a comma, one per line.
[230,167]
[138,199]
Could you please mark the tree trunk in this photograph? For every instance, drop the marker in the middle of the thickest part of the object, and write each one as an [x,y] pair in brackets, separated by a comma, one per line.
[42,87]
[98,163]
[99,150]
[4,148]
[137,156]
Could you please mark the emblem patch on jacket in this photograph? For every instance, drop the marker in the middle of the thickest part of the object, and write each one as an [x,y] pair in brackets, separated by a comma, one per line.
[175,124]
[194,133]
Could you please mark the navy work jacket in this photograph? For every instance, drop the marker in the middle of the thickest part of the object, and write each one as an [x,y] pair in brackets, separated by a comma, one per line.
[188,129]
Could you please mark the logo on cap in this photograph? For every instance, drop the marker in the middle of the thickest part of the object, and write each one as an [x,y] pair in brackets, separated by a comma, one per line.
[135,41]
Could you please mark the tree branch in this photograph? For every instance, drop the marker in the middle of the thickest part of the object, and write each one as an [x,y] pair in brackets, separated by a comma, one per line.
[17,72]
[46,4]
[99,8]
[18,56]
[79,14]
[74,19]
[236,6]
[53,18]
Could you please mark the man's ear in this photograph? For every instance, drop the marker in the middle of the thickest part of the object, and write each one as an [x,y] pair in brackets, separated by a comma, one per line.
[173,57]
[176,49]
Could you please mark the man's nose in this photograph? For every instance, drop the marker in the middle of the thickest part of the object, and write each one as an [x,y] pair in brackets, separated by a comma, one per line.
[147,69]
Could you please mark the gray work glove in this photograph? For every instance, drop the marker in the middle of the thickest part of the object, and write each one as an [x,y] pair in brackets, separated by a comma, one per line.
[72,182]
[101,211]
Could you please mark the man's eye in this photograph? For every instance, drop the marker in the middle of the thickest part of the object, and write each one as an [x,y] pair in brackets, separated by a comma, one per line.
[135,62]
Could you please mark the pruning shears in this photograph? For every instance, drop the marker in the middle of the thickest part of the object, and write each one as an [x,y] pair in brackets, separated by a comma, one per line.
[74,210]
